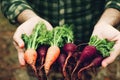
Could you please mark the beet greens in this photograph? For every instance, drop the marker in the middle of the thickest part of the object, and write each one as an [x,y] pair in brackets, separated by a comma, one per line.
[102,45]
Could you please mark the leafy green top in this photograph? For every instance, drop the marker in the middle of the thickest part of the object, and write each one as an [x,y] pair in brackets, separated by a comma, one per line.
[102,45]
[40,35]
[61,35]
[37,36]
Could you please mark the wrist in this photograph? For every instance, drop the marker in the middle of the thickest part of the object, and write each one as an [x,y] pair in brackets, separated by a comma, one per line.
[26,15]
[110,16]
[35,19]
[30,17]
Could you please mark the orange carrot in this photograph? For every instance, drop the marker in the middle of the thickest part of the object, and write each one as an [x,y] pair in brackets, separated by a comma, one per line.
[56,40]
[52,54]
[31,44]
[30,57]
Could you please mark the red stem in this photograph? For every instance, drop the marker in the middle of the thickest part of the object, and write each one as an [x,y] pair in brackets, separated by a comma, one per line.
[77,64]
[64,66]
[42,60]
[84,68]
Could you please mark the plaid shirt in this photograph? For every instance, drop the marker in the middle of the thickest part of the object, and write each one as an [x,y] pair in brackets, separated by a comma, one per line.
[83,14]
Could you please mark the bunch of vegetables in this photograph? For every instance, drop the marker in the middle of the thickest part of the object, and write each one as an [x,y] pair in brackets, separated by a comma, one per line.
[57,46]
[31,44]
[93,54]
[37,44]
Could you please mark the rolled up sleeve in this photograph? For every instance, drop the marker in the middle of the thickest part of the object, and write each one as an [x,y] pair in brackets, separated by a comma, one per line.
[12,8]
[113,4]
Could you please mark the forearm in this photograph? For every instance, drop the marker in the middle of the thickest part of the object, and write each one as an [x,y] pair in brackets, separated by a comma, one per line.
[110,16]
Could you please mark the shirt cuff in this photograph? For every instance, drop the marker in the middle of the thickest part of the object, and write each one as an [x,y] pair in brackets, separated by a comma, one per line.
[14,11]
[113,4]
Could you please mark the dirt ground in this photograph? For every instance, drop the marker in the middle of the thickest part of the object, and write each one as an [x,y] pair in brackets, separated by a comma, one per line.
[9,66]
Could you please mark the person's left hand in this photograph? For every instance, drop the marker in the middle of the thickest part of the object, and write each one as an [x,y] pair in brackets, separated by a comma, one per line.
[103,30]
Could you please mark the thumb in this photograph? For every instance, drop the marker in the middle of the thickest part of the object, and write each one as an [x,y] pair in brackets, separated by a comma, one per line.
[17,39]
[113,54]
[20,54]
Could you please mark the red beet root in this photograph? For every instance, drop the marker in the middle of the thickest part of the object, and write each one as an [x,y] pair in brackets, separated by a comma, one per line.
[95,63]
[62,59]
[69,48]
[42,50]
[88,53]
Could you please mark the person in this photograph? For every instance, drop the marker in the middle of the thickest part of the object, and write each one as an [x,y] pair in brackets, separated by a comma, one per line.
[89,17]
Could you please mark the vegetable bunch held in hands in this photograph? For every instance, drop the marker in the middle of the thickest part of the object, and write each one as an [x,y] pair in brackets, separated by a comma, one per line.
[63,37]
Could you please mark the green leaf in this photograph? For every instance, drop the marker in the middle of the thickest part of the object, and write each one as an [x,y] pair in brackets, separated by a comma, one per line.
[40,35]
[103,45]
[25,39]
[31,41]
[61,35]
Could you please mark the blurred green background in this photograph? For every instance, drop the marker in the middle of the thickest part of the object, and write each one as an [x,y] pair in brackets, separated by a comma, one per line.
[11,70]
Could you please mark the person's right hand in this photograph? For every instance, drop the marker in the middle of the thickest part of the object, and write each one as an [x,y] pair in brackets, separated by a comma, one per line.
[26,28]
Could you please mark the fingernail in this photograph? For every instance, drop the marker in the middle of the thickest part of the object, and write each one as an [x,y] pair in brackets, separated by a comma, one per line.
[104,64]
[22,65]
[21,45]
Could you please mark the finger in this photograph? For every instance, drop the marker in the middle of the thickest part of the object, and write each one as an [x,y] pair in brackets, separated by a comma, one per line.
[17,38]
[21,58]
[113,55]
[48,25]
[107,61]
[20,54]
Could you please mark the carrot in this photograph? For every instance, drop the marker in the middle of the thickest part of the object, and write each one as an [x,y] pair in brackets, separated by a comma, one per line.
[30,57]
[52,54]
[31,44]
[60,36]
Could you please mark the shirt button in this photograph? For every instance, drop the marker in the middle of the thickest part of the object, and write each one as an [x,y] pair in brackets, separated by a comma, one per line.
[62,11]
[61,22]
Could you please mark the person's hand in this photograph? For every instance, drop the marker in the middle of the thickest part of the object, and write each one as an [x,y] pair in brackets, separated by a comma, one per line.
[27,28]
[108,32]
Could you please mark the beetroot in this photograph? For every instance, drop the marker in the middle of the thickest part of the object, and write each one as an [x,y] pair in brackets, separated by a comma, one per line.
[88,53]
[103,46]
[61,59]
[42,50]
[69,48]
[95,63]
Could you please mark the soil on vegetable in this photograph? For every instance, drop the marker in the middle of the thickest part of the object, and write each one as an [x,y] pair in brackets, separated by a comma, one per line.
[11,70]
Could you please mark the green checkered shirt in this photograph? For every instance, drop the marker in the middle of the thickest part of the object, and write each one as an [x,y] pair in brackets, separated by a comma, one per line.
[83,14]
